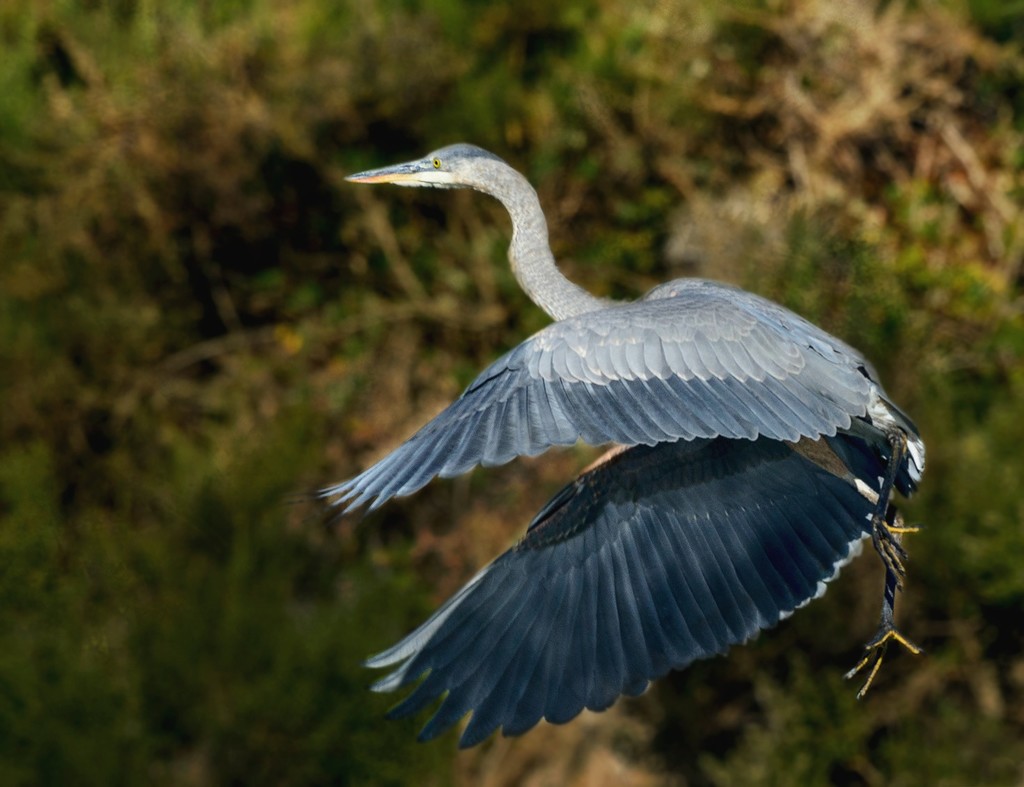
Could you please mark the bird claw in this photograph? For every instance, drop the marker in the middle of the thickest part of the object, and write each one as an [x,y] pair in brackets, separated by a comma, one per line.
[874,653]
[887,543]
[887,538]
[901,529]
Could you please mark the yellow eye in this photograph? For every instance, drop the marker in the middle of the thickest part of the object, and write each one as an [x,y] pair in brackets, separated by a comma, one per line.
[437,163]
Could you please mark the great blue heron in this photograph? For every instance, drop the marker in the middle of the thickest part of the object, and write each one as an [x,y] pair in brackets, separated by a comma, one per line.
[755,452]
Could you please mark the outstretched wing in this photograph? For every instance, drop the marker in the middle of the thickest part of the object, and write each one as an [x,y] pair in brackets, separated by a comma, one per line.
[659,556]
[694,360]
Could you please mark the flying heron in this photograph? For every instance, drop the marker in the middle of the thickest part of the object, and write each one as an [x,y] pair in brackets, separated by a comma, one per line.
[753,454]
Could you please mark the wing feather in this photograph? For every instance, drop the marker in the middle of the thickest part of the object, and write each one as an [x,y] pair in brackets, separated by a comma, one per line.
[657,617]
[607,677]
[729,364]
[495,652]
[700,605]
[554,656]
[563,695]
[657,557]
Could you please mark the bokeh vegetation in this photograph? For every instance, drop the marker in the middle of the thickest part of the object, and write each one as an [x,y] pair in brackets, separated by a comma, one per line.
[199,319]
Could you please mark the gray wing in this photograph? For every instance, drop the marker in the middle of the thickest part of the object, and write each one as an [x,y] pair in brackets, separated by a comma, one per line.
[658,557]
[694,359]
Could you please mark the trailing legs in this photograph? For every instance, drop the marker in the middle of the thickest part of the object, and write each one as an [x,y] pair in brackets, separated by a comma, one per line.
[887,529]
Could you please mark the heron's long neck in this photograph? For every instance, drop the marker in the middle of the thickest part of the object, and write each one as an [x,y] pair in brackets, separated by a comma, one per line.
[530,253]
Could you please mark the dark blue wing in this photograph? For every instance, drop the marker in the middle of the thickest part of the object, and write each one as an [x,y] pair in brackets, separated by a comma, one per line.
[698,361]
[659,556]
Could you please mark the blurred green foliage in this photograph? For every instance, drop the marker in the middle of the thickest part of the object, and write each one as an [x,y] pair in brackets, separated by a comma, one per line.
[200,320]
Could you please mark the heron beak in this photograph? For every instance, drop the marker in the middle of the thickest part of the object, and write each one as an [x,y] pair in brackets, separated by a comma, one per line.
[398,173]
[411,173]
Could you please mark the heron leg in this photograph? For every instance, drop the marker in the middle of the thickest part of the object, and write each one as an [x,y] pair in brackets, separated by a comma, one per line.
[886,525]
[887,528]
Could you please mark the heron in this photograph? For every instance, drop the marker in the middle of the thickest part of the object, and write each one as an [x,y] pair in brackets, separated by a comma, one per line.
[752,454]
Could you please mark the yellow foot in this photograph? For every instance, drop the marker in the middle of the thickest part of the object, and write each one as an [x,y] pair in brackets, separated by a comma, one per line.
[875,653]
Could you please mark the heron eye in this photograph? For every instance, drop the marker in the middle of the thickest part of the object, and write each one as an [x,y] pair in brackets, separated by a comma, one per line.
[437,163]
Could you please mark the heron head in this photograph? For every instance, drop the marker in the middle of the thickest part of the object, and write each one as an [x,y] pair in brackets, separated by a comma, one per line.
[452,167]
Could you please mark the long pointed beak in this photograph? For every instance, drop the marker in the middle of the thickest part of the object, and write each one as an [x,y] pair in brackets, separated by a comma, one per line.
[397,173]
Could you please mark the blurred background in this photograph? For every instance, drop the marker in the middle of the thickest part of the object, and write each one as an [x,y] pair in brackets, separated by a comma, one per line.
[200,322]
